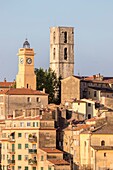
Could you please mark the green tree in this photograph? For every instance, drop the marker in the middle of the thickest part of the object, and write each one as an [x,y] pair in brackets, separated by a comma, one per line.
[47,79]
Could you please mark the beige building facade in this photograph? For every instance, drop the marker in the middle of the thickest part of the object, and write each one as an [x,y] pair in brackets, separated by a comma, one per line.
[21,99]
[29,143]
[62,51]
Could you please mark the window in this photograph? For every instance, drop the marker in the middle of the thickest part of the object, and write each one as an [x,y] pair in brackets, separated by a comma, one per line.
[42,158]
[34,146]
[19,146]
[89,104]
[26,145]
[19,157]
[26,157]
[13,168]
[54,53]
[26,167]
[85,143]
[26,135]
[27,86]
[19,168]
[54,36]
[38,99]
[35,124]
[95,94]
[21,124]
[65,53]
[65,37]
[28,99]
[104,154]
[49,168]
[19,135]
[102,143]
[34,168]
[41,168]
[28,124]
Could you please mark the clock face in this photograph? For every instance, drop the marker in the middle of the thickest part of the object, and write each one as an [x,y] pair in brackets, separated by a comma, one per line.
[29,60]
[21,60]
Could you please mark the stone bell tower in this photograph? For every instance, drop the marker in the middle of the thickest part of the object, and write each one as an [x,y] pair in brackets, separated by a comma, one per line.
[26,77]
[62,51]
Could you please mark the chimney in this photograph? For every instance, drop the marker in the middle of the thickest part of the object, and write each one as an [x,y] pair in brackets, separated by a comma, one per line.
[4,79]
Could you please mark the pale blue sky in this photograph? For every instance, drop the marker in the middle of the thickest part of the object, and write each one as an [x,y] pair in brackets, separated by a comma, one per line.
[92,20]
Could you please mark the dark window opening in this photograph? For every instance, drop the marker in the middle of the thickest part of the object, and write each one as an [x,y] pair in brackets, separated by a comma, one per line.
[102,143]
[65,53]
[95,94]
[89,104]
[27,86]
[104,154]
[54,36]
[54,54]
[65,37]
[89,116]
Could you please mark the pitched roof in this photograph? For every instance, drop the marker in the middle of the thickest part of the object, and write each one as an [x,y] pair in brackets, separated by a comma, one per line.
[105,129]
[22,91]
[51,150]
[102,147]
[59,162]
[6,84]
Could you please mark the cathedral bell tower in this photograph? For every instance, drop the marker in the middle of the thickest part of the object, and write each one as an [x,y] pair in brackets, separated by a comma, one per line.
[26,77]
[62,51]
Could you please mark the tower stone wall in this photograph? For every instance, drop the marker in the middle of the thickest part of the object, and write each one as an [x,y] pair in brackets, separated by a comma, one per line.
[62,51]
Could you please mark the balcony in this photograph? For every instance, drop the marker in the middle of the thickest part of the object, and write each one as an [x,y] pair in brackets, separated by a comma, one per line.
[11,161]
[11,140]
[32,162]
[32,139]
[33,151]
[11,151]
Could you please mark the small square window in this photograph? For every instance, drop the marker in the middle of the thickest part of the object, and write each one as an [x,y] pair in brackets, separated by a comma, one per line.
[42,158]
[19,157]
[41,168]
[104,154]
[28,124]
[26,167]
[28,99]
[19,135]
[34,168]
[89,104]
[26,157]
[19,168]
[19,146]
[26,146]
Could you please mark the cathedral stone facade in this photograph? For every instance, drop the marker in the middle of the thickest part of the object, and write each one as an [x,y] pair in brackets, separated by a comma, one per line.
[62,51]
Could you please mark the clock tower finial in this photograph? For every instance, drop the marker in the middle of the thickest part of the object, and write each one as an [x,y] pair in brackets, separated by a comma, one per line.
[26,44]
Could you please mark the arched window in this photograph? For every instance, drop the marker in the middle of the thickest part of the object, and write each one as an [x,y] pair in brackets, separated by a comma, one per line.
[54,53]
[65,37]
[102,143]
[65,53]
[54,36]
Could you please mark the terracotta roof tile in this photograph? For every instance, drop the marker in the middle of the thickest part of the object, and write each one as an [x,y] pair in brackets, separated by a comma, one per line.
[22,91]
[6,84]
[51,150]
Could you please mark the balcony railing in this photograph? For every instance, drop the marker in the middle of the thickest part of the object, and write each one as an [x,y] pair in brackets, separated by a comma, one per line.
[11,140]
[11,161]
[32,162]
[33,151]
[32,139]
[11,150]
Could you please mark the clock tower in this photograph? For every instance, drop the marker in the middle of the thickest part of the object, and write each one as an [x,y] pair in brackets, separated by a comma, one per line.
[26,77]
